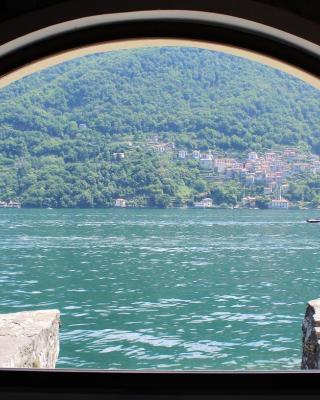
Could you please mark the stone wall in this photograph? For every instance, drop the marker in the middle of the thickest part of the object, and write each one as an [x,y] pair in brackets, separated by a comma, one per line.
[29,339]
[311,336]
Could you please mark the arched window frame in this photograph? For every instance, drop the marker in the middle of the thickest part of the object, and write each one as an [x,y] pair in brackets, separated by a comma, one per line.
[77,23]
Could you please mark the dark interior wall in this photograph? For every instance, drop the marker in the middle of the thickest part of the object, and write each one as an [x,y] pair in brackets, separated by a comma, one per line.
[309,9]
[14,8]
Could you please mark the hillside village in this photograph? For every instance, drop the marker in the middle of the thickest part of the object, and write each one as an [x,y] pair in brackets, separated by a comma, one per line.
[263,179]
[270,171]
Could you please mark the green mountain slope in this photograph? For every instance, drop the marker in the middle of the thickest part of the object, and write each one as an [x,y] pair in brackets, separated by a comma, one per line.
[59,127]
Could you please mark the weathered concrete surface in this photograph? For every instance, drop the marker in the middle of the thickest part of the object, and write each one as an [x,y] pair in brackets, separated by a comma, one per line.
[311,336]
[29,339]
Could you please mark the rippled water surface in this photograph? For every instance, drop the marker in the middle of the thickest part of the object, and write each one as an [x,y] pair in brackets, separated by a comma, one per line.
[167,289]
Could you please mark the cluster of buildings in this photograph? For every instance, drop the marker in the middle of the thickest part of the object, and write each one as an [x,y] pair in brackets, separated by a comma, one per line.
[270,170]
[273,168]
[277,203]
[10,204]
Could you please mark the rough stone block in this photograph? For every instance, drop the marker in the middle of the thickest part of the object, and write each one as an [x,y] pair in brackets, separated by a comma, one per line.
[29,339]
[310,336]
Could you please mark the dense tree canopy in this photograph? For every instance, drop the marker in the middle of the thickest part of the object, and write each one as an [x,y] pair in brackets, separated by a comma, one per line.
[60,127]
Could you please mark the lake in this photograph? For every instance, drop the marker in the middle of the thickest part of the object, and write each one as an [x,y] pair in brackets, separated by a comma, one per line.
[168,289]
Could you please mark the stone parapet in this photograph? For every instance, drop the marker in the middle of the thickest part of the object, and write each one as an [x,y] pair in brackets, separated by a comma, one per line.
[29,339]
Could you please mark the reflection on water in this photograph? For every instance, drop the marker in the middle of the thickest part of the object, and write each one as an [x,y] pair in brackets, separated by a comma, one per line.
[170,289]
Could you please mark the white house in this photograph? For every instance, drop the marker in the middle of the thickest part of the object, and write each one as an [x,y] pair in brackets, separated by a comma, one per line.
[160,148]
[204,203]
[118,156]
[120,203]
[196,154]
[13,204]
[279,204]
[249,202]
[182,154]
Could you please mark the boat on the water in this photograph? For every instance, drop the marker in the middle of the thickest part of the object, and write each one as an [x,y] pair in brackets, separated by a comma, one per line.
[313,220]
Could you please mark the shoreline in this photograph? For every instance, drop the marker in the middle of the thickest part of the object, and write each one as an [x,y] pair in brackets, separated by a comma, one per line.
[160,208]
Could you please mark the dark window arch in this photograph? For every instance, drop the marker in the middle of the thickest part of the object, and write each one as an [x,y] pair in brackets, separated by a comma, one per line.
[71,24]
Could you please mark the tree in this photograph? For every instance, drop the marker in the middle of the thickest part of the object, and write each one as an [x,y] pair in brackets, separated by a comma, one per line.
[262,202]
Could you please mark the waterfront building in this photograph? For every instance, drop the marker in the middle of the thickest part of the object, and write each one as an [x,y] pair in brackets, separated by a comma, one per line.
[120,203]
[13,204]
[279,204]
[249,202]
[204,203]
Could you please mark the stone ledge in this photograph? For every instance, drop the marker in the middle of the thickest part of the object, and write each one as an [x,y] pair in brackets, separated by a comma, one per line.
[29,339]
[315,304]
[311,336]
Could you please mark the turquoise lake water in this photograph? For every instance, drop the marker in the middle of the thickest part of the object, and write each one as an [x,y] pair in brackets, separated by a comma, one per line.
[167,289]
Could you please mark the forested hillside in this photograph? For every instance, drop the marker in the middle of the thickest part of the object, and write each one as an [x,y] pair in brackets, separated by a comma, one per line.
[60,127]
